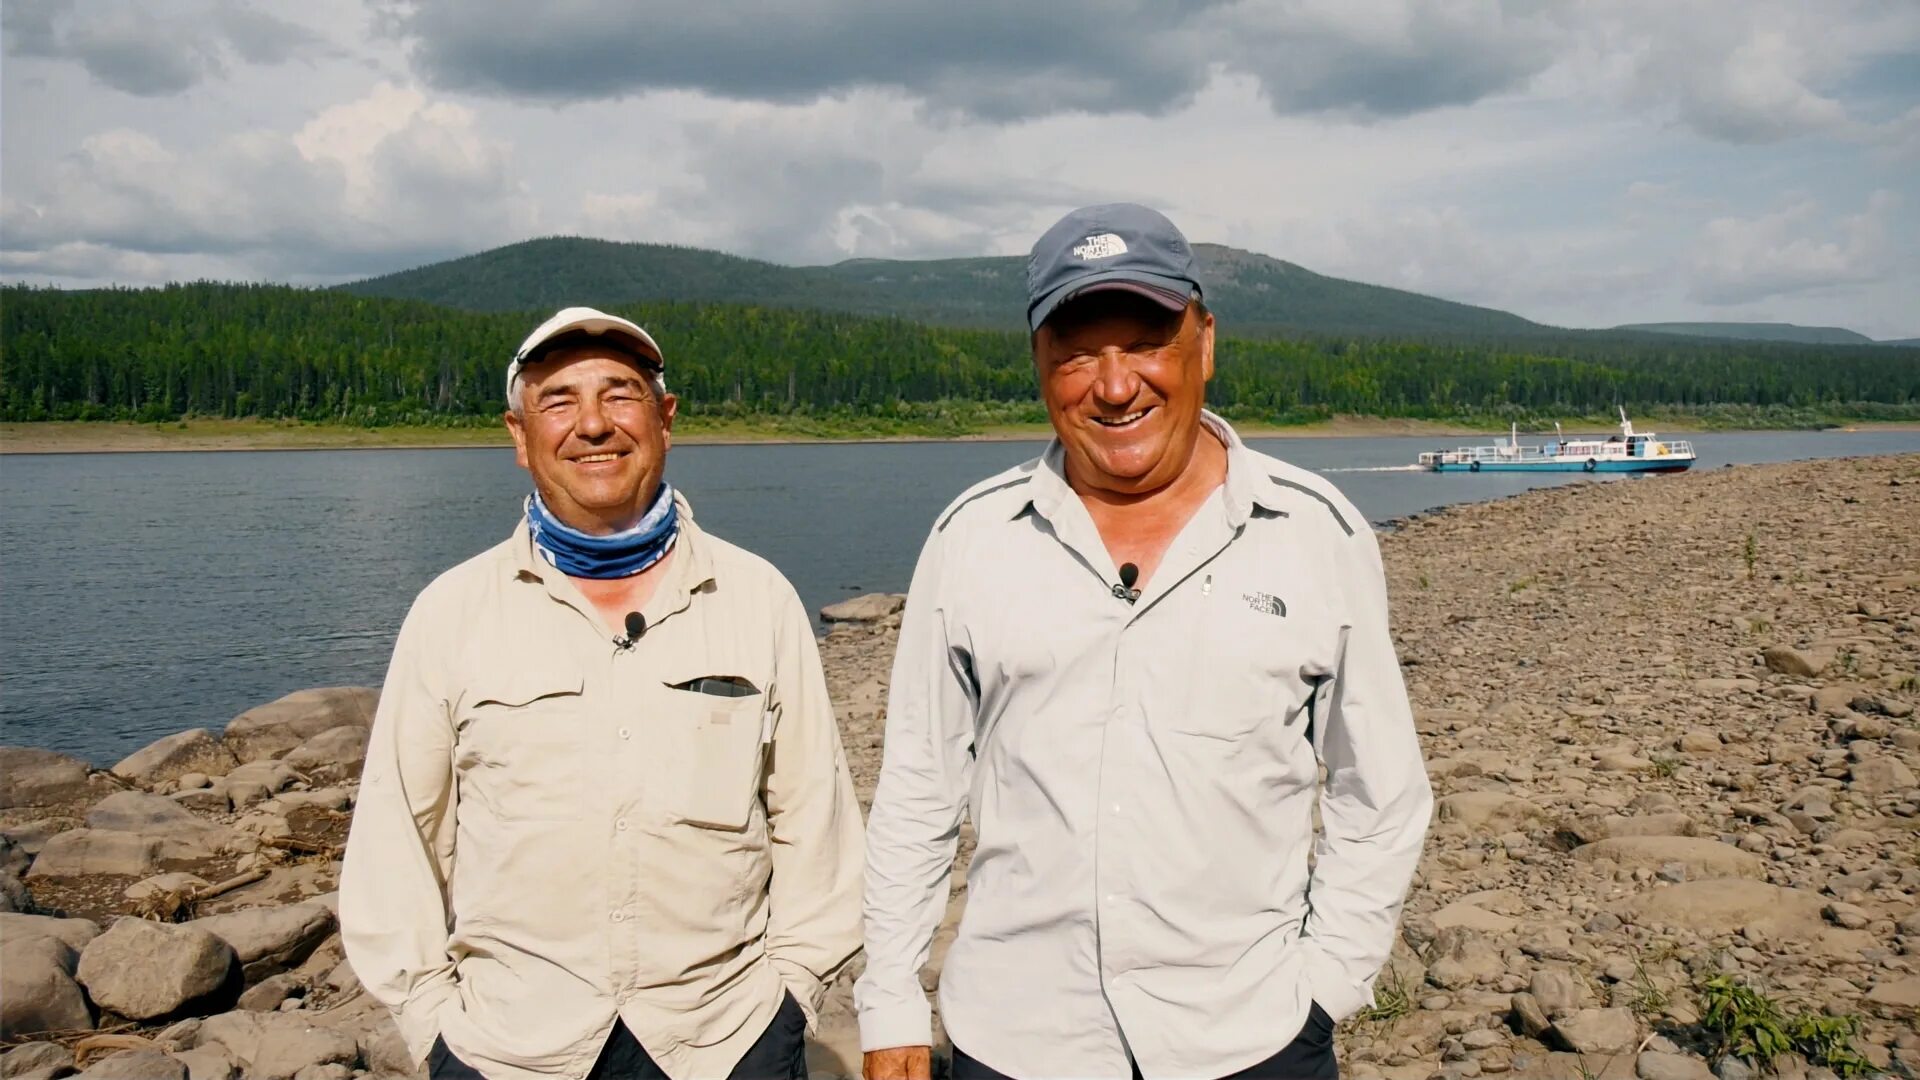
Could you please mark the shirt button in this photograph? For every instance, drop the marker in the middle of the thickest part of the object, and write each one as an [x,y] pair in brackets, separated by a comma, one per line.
[621,824]
[1117,810]
[626,733]
[619,916]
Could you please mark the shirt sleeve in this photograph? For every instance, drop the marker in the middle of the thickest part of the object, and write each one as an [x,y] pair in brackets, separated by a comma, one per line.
[1375,803]
[393,889]
[813,818]
[913,830]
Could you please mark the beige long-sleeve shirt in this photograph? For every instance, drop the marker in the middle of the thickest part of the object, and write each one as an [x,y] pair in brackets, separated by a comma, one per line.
[1142,780]
[553,830]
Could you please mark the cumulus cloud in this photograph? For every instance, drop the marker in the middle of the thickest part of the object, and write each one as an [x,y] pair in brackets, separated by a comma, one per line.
[1770,71]
[138,50]
[853,176]
[993,59]
[391,177]
[1793,250]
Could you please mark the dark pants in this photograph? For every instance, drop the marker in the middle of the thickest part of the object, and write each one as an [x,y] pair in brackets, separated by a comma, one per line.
[1308,1057]
[779,1054]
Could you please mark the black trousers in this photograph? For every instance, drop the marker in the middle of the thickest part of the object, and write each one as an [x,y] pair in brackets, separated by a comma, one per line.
[1308,1057]
[779,1054]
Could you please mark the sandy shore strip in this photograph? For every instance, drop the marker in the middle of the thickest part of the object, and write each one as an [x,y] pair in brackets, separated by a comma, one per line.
[96,437]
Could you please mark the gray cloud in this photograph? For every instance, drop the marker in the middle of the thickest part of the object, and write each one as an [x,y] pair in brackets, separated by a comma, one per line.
[260,38]
[1382,59]
[993,59]
[1793,250]
[133,50]
[387,181]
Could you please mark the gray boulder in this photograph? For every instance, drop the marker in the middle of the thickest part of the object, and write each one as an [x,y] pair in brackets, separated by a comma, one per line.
[334,754]
[32,836]
[869,608]
[1596,1031]
[270,730]
[32,777]
[195,751]
[14,897]
[80,852]
[1653,1065]
[76,933]
[36,1058]
[1804,663]
[210,1062]
[276,1046]
[157,815]
[37,988]
[136,1065]
[256,782]
[144,970]
[268,940]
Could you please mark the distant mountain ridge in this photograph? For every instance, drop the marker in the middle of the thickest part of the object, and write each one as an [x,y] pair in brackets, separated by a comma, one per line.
[1739,331]
[1251,293]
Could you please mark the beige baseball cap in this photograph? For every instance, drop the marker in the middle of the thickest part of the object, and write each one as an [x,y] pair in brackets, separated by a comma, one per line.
[630,338]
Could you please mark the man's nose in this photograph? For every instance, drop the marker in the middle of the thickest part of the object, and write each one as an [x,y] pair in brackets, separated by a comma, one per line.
[1114,380]
[593,422]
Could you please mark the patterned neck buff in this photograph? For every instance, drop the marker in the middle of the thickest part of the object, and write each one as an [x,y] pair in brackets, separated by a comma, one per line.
[623,554]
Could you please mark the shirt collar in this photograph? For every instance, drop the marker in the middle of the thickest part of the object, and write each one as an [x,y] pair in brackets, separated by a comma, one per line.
[1247,484]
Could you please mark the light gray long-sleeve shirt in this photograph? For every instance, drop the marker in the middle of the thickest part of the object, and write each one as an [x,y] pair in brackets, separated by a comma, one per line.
[1142,780]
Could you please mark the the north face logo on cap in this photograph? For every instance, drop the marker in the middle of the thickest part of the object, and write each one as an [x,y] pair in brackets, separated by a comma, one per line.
[1104,246]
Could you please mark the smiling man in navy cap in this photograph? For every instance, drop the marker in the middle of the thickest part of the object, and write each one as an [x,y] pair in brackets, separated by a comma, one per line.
[1128,661]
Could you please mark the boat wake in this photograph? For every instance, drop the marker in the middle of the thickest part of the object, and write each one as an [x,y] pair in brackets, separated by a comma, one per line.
[1380,468]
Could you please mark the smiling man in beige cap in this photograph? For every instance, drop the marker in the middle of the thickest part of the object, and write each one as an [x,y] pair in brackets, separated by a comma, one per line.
[605,829]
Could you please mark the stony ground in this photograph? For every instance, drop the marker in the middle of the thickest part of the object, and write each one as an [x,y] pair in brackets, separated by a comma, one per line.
[1669,723]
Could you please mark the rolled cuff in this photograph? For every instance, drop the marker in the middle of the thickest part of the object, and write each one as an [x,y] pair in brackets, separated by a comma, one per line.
[1340,996]
[906,1024]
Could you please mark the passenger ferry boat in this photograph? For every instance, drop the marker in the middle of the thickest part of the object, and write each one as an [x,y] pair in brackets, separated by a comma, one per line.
[1629,451]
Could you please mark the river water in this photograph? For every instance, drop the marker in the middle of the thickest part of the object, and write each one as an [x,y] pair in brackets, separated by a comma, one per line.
[142,594]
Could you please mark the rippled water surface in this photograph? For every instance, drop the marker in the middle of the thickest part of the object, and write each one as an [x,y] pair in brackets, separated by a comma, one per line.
[141,594]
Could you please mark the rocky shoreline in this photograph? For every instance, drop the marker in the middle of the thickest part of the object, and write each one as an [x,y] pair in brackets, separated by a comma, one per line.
[1670,725]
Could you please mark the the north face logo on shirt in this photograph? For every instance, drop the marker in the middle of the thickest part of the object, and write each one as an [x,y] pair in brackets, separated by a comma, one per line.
[1104,246]
[1265,602]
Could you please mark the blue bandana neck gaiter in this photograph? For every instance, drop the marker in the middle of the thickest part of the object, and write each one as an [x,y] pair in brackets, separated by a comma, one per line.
[623,554]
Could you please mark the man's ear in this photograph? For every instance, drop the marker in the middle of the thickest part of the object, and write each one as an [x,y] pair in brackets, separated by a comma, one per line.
[669,408]
[1206,347]
[517,428]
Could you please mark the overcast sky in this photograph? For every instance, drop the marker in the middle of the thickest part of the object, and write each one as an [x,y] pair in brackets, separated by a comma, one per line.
[1584,163]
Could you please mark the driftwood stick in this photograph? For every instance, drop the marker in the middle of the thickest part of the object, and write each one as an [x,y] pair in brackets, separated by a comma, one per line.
[227,886]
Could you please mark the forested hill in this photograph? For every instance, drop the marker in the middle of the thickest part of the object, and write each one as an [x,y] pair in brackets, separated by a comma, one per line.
[271,351]
[1253,295]
[1739,331]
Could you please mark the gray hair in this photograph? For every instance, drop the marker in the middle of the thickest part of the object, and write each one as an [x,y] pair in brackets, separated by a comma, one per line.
[656,382]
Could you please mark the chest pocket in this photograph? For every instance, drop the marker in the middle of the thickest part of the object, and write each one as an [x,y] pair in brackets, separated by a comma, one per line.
[1257,660]
[521,748]
[723,727]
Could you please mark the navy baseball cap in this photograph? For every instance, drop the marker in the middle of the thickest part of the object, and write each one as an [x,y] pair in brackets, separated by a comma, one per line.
[1114,246]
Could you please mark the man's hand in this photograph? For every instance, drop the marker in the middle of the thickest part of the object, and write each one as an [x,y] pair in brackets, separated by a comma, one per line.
[898,1063]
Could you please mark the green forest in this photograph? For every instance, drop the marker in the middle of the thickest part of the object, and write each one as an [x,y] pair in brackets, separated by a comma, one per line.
[219,350]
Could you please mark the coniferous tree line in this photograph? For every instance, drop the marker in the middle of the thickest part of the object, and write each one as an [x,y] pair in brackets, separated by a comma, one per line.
[277,352]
